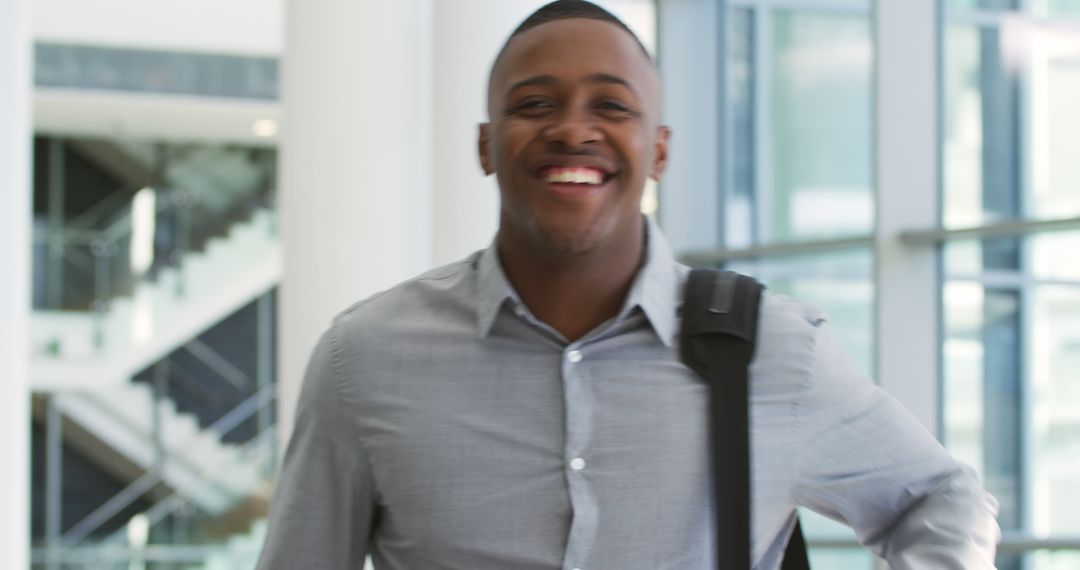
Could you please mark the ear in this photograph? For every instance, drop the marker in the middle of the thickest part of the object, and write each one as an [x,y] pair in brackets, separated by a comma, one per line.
[487,162]
[660,152]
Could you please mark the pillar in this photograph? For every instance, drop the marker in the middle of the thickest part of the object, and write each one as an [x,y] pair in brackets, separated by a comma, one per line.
[354,165]
[15,212]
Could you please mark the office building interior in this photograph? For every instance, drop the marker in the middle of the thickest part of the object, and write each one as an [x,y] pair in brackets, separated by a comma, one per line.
[192,189]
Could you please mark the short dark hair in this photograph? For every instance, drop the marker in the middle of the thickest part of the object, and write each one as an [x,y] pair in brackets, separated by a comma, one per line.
[565,10]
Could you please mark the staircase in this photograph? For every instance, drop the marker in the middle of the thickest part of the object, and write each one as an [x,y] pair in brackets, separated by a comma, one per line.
[87,361]
[86,351]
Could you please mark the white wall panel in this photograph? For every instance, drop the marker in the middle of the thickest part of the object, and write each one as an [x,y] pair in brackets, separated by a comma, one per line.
[15,285]
[233,26]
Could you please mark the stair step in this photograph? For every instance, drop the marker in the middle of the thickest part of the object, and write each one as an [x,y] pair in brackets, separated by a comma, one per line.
[227,275]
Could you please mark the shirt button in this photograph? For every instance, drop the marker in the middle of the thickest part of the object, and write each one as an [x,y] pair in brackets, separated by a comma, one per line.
[577,464]
[574,356]
[519,310]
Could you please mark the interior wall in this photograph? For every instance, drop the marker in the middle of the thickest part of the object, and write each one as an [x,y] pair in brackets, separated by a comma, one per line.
[252,27]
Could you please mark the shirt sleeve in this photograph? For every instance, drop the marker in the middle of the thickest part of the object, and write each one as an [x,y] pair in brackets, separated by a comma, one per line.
[322,510]
[864,460]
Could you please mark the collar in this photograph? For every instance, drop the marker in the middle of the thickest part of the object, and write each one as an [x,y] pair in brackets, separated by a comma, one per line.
[492,288]
[656,286]
[654,290]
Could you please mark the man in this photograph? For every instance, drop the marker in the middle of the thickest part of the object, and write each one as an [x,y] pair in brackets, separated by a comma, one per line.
[526,408]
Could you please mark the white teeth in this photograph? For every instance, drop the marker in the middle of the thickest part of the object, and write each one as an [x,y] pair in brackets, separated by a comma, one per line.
[574,176]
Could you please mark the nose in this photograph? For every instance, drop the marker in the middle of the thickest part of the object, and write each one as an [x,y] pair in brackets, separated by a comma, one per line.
[573,129]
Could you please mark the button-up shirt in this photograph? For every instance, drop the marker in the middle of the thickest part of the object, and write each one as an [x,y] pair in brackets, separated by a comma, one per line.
[443,426]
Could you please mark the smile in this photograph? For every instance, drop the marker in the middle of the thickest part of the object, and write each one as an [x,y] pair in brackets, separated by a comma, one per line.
[572,175]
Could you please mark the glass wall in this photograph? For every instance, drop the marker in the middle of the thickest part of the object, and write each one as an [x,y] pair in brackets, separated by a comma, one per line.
[1011,318]
[800,107]
[799,213]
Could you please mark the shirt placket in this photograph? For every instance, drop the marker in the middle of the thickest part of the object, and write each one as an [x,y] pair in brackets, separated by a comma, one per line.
[579,429]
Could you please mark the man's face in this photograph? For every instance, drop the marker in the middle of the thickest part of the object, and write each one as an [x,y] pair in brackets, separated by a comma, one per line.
[574,107]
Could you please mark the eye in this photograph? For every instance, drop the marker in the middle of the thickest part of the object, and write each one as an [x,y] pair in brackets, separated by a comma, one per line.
[531,106]
[613,107]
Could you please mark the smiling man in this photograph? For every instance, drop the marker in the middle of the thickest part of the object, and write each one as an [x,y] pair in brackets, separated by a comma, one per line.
[574,133]
[526,408]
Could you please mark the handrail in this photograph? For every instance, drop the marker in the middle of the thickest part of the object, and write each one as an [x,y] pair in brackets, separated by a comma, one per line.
[128,495]
[174,502]
[218,364]
[118,502]
[702,258]
[243,410]
[98,555]
[104,208]
[179,374]
[1007,228]
[180,228]
[1011,541]
[910,238]
[118,228]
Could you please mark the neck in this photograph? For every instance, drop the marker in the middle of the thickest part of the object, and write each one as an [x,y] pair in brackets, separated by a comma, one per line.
[573,293]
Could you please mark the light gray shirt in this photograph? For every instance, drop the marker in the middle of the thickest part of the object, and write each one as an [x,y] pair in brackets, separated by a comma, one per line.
[442,426]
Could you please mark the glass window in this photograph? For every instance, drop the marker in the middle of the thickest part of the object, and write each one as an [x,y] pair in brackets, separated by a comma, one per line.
[982,163]
[845,558]
[1011,305]
[982,380]
[1050,560]
[1054,255]
[800,136]
[821,135]
[800,87]
[981,4]
[740,227]
[1011,121]
[1055,399]
[1056,7]
[1054,70]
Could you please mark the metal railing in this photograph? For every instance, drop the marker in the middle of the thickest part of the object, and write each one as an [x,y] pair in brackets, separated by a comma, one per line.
[88,268]
[136,489]
[72,545]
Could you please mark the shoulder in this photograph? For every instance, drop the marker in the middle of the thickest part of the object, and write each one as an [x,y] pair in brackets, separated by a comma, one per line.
[783,316]
[442,284]
[429,302]
[788,332]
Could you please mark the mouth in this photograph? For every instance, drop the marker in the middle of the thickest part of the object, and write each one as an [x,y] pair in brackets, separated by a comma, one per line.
[574,180]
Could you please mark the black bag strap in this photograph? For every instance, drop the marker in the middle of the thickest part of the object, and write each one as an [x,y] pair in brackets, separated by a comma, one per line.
[719,331]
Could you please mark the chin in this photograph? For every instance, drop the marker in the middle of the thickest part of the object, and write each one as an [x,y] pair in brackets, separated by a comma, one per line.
[564,241]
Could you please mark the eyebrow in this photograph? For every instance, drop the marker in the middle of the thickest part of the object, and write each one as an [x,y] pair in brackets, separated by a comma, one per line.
[547,80]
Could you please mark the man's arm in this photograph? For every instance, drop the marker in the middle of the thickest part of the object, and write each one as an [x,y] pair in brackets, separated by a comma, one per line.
[866,461]
[320,517]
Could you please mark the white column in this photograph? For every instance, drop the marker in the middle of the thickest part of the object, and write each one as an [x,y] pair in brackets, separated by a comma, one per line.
[354,165]
[465,204]
[692,64]
[908,168]
[15,138]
